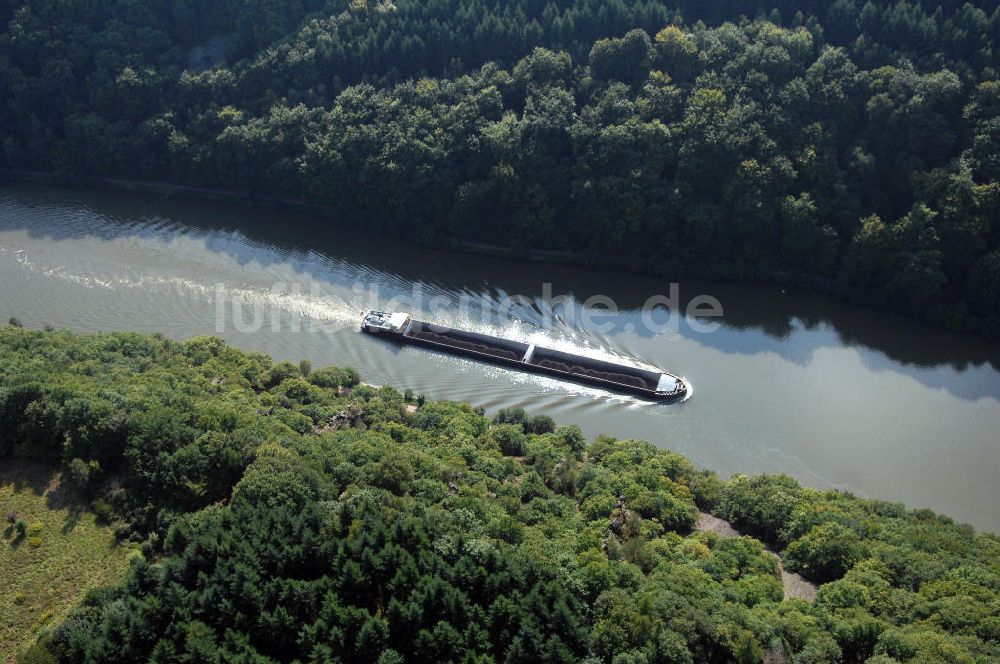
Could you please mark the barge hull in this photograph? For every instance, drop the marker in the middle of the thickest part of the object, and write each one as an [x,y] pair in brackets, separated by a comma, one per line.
[537,359]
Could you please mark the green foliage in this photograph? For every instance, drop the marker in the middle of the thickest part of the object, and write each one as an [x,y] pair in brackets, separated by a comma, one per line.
[509,438]
[102,510]
[84,474]
[848,144]
[109,405]
[332,377]
[374,534]
[826,552]
[761,505]
[43,577]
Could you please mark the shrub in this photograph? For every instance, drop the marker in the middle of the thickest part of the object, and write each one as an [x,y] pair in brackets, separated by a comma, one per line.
[510,416]
[334,377]
[84,474]
[572,436]
[539,424]
[305,368]
[36,527]
[506,528]
[747,649]
[279,373]
[393,474]
[510,438]
[101,510]
[34,542]
[916,643]
[826,552]
[21,527]
[761,505]
[37,654]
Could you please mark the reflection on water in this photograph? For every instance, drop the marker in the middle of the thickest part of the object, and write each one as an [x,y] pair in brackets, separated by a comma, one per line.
[790,382]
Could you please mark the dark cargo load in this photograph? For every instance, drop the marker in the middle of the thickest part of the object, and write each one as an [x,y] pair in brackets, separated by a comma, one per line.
[579,365]
[528,357]
[469,341]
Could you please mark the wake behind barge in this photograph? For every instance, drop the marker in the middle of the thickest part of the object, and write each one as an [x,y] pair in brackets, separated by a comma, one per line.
[646,383]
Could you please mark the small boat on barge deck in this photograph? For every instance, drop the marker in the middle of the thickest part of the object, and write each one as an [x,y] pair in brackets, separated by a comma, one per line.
[647,383]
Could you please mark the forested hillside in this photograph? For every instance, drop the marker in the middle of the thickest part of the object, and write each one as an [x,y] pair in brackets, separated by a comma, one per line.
[855,144]
[290,514]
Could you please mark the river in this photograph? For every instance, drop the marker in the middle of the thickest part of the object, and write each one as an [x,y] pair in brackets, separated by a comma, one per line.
[788,381]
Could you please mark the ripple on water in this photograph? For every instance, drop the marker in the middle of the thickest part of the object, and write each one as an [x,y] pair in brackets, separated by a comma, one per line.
[854,399]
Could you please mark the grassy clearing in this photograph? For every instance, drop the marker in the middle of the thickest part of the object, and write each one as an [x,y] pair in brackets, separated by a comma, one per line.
[48,569]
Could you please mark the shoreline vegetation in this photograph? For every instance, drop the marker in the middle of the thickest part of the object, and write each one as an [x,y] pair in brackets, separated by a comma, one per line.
[282,512]
[814,283]
[847,145]
[303,206]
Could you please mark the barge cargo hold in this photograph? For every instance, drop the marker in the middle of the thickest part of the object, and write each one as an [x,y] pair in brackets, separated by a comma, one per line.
[648,383]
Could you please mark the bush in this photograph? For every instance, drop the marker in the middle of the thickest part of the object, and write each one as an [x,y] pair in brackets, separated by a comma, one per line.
[37,654]
[21,527]
[279,373]
[510,438]
[102,511]
[84,474]
[334,377]
[826,552]
[539,424]
[510,416]
[572,436]
[761,506]
[34,542]
[507,529]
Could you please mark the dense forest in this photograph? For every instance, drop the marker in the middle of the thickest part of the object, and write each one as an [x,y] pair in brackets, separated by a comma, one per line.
[292,514]
[853,145]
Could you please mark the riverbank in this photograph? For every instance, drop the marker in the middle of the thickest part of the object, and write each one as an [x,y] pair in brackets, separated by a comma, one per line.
[634,264]
[847,388]
[278,462]
[631,264]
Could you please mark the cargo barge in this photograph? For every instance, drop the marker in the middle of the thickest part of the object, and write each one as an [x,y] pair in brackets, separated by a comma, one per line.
[647,383]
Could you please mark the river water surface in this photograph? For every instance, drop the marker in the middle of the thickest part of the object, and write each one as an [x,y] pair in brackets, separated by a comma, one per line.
[794,382]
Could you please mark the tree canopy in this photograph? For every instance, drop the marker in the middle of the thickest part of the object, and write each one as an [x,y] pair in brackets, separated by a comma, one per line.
[846,144]
[293,515]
